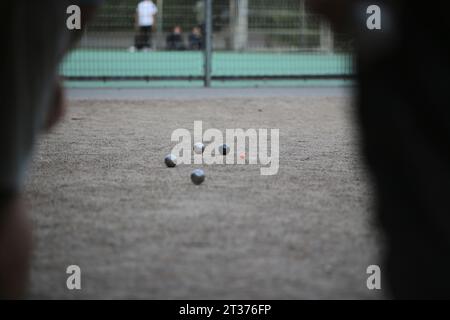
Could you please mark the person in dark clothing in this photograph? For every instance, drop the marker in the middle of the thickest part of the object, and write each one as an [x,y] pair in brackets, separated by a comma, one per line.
[404,115]
[196,39]
[174,41]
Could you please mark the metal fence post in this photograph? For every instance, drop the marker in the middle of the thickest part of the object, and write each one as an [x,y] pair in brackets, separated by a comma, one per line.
[208,44]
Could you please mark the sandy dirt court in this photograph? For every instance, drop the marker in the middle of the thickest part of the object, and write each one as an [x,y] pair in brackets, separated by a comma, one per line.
[102,198]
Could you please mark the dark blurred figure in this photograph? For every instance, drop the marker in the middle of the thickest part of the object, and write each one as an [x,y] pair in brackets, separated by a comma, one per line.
[199,10]
[196,39]
[32,102]
[174,40]
[404,113]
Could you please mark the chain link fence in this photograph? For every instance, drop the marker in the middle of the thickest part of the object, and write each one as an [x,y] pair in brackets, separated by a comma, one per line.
[250,39]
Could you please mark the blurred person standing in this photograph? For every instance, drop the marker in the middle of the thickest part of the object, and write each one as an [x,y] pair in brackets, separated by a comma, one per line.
[145,20]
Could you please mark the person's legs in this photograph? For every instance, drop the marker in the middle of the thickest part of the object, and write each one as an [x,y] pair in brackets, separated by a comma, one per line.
[148,37]
[138,39]
[143,38]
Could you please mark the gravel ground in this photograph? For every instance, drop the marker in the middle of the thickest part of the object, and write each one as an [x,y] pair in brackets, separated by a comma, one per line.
[103,199]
